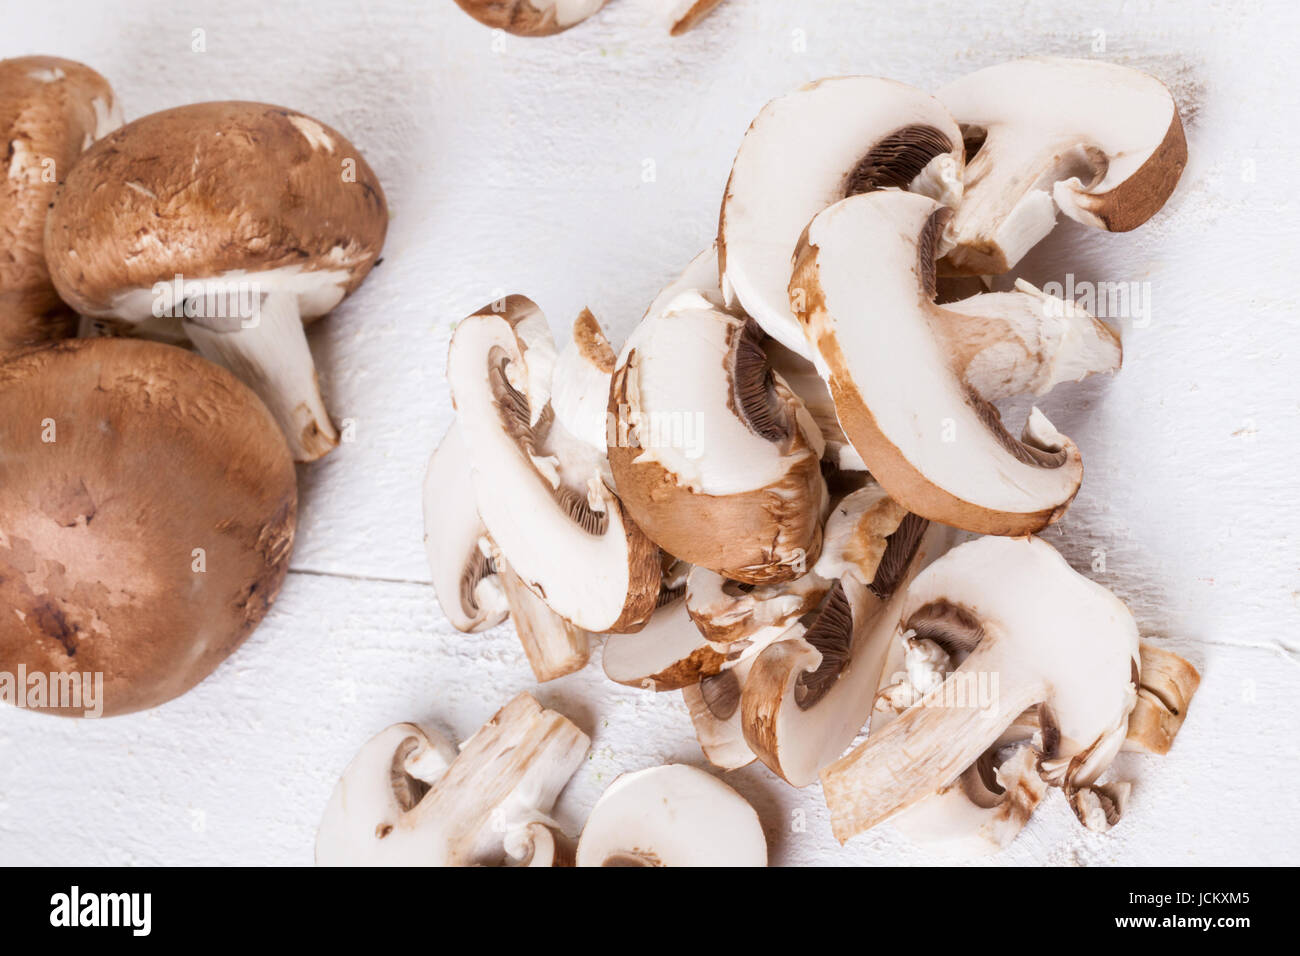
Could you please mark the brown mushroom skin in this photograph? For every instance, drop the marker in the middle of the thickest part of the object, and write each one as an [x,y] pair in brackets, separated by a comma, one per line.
[155,453]
[206,189]
[45,124]
[519,17]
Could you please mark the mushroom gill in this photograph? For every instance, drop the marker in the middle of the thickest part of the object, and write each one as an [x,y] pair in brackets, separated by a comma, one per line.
[954,628]
[753,387]
[721,693]
[407,790]
[897,159]
[899,550]
[477,567]
[830,631]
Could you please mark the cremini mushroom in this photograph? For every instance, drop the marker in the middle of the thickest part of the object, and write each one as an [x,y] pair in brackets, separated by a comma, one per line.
[543,494]
[1102,143]
[147,513]
[713,455]
[50,110]
[863,288]
[804,151]
[674,815]
[408,799]
[990,598]
[530,18]
[241,220]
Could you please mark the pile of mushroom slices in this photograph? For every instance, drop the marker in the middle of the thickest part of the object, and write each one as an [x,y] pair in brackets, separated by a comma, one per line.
[409,798]
[759,499]
[540,18]
[148,499]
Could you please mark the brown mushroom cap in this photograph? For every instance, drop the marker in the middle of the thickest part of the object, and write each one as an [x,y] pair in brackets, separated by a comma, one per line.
[155,453]
[530,18]
[50,110]
[210,189]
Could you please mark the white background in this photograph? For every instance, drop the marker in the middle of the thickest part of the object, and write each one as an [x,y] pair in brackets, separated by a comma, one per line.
[521,169]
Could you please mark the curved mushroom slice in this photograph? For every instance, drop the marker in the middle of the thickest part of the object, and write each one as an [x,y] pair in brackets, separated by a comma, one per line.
[688,14]
[530,18]
[810,693]
[580,383]
[243,221]
[147,512]
[714,706]
[1165,690]
[51,109]
[465,579]
[667,654]
[538,845]
[995,594]
[542,494]
[715,457]
[864,276]
[407,800]
[673,815]
[1101,142]
[806,150]
[554,647]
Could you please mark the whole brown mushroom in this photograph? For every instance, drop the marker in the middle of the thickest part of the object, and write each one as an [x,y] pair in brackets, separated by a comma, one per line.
[147,513]
[241,221]
[50,111]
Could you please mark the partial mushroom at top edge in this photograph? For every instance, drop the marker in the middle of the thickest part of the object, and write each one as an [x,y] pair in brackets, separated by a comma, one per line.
[242,221]
[1103,143]
[531,18]
[51,110]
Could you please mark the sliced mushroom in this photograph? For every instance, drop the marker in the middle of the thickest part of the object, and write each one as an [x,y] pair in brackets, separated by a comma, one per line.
[1165,691]
[810,693]
[714,707]
[667,654]
[805,381]
[147,512]
[407,799]
[673,815]
[580,383]
[543,494]
[714,456]
[863,287]
[733,616]
[538,845]
[688,14]
[240,219]
[465,579]
[530,18]
[50,110]
[830,139]
[1103,143]
[554,646]
[993,595]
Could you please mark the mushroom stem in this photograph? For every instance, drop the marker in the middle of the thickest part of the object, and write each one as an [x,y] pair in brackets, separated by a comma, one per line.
[268,352]
[554,646]
[1165,690]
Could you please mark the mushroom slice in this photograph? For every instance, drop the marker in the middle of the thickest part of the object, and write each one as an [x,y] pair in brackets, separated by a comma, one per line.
[1101,142]
[688,14]
[667,654]
[465,579]
[580,382]
[1165,689]
[715,457]
[830,139]
[406,800]
[672,815]
[147,512]
[240,219]
[802,377]
[543,494]
[810,693]
[530,18]
[995,593]
[50,110]
[714,706]
[733,616]
[554,647]
[863,287]
[538,845]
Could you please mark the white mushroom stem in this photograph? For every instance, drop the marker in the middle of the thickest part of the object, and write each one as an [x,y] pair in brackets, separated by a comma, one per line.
[554,646]
[269,353]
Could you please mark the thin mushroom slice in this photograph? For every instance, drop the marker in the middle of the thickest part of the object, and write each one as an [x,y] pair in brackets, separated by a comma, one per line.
[718,462]
[672,815]
[465,579]
[809,693]
[733,616]
[544,495]
[688,14]
[1165,688]
[804,151]
[531,18]
[554,646]
[714,706]
[243,221]
[51,110]
[580,382]
[998,591]
[405,800]
[863,288]
[538,845]
[1102,143]
[667,654]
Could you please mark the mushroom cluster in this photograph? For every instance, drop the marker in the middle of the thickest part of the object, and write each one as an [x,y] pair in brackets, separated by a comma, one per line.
[769,497]
[148,499]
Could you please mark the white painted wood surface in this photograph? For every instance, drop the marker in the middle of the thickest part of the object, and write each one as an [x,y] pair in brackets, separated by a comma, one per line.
[518,166]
